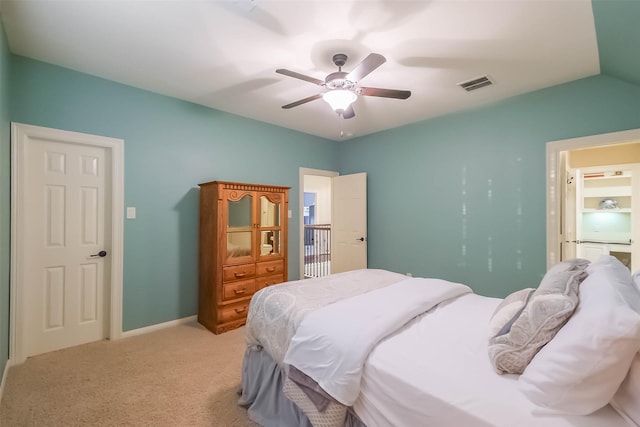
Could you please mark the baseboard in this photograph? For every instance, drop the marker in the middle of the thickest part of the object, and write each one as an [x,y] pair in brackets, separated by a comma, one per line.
[3,381]
[159,326]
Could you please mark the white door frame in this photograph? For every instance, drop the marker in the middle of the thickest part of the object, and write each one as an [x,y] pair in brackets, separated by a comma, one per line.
[20,135]
[554,175]
[302,173]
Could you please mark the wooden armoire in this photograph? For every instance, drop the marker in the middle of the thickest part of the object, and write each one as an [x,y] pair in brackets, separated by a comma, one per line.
[243,248]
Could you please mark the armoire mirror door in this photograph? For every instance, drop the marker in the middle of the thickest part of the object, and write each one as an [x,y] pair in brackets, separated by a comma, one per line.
[270,220]
[239,228]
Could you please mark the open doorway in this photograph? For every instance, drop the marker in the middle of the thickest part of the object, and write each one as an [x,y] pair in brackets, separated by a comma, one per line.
[593,190]
[340,222]
[315,224]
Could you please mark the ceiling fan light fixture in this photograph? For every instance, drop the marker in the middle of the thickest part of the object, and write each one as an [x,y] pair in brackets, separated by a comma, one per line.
[341,87]
[339,99]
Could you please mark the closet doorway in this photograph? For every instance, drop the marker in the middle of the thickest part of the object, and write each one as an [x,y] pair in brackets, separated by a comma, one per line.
[593,205]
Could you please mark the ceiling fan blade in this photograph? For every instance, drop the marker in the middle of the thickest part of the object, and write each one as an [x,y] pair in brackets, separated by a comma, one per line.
[367,65]
[300,76]
[302,101]
[385,93]
[348,113]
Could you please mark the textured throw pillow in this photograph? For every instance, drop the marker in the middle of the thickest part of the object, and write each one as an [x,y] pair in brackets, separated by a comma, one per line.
[579,371]
[508,311]
[546,311]
[568,265]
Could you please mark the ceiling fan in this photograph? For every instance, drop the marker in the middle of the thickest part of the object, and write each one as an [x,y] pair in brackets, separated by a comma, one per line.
[342,87]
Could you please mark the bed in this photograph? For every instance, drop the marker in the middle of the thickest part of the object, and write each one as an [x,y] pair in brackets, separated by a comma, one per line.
[435,366]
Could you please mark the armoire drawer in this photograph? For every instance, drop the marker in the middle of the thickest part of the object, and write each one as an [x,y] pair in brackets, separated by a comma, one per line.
[235,311]
[269,267]
[263,282]
[238,289]
[238,272]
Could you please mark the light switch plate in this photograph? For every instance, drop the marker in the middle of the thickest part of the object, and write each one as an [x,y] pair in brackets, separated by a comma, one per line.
[290,214]
[131,213]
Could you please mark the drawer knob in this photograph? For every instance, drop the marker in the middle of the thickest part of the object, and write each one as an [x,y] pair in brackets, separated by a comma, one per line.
[239,291]
[271,269]
[244,273]
[241,310]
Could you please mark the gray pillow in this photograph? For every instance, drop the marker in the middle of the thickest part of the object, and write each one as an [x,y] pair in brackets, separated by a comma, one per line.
[508,311]
[543,312]
[568,265]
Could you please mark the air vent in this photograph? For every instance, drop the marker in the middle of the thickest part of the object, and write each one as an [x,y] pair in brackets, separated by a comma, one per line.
[474,84]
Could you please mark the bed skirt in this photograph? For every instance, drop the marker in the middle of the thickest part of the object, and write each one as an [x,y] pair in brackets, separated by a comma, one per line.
[261,393]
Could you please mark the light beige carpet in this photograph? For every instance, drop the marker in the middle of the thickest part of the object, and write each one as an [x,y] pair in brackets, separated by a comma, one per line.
[179,376]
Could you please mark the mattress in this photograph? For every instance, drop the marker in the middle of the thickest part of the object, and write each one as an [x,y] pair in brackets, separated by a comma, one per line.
[435,372]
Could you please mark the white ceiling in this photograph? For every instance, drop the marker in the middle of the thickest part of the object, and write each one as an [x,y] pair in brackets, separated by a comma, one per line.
[224,53]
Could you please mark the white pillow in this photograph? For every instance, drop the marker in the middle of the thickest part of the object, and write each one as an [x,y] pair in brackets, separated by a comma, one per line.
[580,369]
[627,399]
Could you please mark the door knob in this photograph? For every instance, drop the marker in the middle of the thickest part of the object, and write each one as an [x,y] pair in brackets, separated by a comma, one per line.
[362,239]
[100,254]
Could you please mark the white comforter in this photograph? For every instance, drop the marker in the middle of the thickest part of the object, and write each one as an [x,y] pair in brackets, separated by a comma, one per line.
[276,311]
[331,343]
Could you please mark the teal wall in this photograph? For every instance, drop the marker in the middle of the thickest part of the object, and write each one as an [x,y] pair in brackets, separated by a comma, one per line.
[5,199]
[616,23]
[462,197]
[170,147]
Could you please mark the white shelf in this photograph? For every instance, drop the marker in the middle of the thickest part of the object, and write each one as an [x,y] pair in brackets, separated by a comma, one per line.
[621,210]
[607,192]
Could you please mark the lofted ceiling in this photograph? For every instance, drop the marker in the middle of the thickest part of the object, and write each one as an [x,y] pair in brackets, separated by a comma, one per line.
[223,53]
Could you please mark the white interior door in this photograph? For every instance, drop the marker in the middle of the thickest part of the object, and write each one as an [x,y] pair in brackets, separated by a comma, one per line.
[67,221]
[568,197]
[64,237]
[349,222]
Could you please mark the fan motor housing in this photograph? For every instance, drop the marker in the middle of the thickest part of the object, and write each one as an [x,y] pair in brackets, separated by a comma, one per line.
[338,80]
